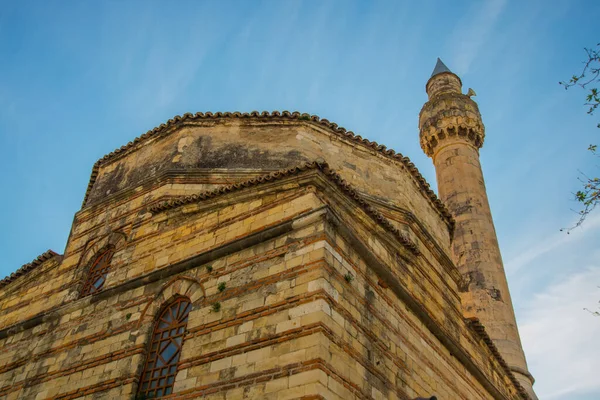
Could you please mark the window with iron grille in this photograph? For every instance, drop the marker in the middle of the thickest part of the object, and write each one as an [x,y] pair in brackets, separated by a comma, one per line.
[97,273]
[159,372]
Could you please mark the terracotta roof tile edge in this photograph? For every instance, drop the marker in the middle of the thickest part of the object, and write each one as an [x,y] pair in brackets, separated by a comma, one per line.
[479,328]
[26,268]
[162,128]
[323,167]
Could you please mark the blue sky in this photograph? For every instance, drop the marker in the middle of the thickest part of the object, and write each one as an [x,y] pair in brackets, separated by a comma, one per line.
[78,79]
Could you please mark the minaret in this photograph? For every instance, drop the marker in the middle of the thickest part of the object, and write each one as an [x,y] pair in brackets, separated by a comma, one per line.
[452,133]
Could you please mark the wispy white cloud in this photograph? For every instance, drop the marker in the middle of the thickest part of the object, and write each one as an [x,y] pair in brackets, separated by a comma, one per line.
[552,242]
[561,338]
[165,74]
[556,278]
[472,32]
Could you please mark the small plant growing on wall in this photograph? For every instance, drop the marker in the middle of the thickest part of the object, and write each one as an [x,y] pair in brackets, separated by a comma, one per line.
[216,307]
[221,286]
[209,268]
[349,277]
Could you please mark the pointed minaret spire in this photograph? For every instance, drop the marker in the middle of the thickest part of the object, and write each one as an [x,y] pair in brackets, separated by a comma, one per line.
[442,81]
[439,68]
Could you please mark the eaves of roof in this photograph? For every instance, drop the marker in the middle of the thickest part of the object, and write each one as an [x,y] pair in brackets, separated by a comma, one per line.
[479,328]
[284,115]
[26,268]
[334,177]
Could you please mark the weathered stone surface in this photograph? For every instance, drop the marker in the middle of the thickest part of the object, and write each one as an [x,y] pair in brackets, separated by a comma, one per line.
[329,285]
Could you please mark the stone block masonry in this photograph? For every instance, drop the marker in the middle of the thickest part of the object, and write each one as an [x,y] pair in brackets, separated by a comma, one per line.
[307,279]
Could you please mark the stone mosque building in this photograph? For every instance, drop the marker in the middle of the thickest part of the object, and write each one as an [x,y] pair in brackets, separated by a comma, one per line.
[273,256]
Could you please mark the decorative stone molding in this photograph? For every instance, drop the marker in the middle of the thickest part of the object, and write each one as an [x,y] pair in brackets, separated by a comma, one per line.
[115,240]
[448,117]
[179,286]
[430,143]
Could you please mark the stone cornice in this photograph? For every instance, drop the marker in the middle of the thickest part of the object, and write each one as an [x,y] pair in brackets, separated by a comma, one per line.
[431,142]
[478,327]
[323,167]
[177,121]
[423,234]
[447,117]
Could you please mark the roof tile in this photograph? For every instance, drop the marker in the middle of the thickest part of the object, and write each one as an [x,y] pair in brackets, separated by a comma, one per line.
[26,268]
[177,120]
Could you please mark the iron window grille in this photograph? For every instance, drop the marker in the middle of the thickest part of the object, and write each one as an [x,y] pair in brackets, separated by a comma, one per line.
[158,377]
[97,274]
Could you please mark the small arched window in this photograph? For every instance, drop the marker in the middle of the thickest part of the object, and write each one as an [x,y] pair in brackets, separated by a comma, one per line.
[97,273]
[159,372]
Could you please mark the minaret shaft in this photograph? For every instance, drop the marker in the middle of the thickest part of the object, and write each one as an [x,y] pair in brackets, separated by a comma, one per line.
[451,133]
[475,250]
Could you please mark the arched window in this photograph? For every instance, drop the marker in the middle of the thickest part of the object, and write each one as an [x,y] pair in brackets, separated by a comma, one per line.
[97,273]
[159,372]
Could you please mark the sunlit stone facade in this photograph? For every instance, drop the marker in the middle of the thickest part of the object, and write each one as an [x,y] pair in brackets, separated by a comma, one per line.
[268,256]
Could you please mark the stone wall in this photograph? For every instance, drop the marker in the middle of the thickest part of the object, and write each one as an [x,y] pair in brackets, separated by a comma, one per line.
[322,300]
